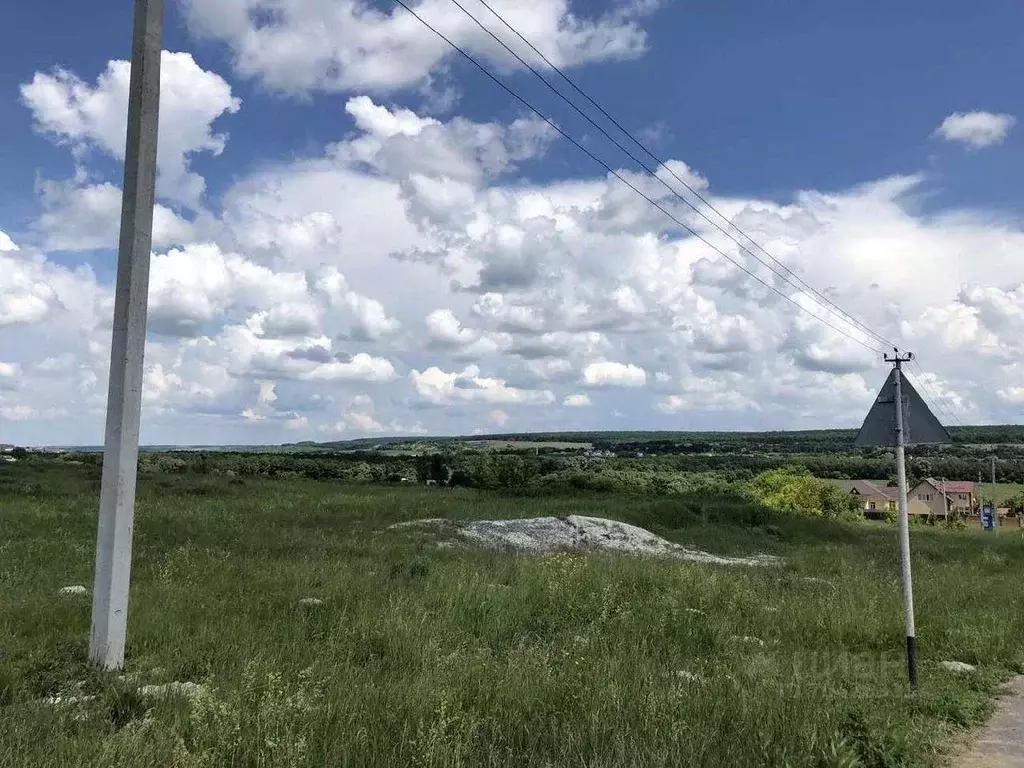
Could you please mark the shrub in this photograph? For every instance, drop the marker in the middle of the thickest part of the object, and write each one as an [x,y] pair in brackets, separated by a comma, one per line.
[1016,503]
[797,490]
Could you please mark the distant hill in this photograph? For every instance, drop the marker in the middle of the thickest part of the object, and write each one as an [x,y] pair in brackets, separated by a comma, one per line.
[782,441]
[796,441]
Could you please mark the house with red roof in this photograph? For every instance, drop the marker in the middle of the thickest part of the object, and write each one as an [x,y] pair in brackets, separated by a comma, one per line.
[942,498]
[873,497]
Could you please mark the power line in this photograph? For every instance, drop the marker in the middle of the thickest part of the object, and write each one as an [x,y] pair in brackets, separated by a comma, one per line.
[628,183]
[928,394]
[818,296]
[801,284]
[933,394]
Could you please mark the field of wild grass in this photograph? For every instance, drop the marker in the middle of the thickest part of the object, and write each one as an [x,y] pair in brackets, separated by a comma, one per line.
[423,656]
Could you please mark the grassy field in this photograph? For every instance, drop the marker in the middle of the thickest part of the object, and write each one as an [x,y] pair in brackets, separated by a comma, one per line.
[427,656]
[1003,491]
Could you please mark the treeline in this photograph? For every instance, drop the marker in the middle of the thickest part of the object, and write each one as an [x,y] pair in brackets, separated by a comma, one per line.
[782,442]
[791,485]
[879,465]
[828,453]
[514,472]
[519,469]
[486,471]
[965,440]
[352,468]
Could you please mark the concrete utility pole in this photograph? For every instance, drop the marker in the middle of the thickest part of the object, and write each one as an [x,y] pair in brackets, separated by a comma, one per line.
[904,523]
[124,394]
[980,496]
[995,507]
[900,417]
[992,498]
[981,493]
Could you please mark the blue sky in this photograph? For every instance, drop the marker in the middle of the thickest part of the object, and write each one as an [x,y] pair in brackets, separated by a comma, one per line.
[765,97]
[817,126]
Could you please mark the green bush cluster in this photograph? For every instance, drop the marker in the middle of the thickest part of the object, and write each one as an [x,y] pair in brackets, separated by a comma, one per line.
[797,490]
[1016,503]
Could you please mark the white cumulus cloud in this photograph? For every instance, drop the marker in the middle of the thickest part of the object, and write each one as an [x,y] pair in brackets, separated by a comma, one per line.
[323,276]
[362,367]
[95,116]
[576,400]
[6,243]
[612,374]
[301,46]
[976,129]
[197,285]
[88,217]
[440,387]
[10,375]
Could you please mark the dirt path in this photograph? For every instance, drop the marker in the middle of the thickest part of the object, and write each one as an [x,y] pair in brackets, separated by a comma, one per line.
[1000,742]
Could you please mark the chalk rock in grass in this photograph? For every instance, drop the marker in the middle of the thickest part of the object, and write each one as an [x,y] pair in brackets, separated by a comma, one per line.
[74,589]
[695,611]
[957,666]
[575,532]
[185,690]
[312,601]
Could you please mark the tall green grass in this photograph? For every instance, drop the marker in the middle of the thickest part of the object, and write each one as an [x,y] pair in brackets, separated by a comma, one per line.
[428,656]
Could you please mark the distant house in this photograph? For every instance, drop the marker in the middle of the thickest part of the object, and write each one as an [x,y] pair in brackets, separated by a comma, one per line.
[874,498]
[942,498]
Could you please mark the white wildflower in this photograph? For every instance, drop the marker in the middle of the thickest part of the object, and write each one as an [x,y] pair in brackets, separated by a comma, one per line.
[693,677]
[746,639]
[186,690]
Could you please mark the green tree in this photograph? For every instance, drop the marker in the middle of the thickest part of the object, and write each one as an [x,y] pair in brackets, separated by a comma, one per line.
[797,490]
[835,504]
[203,464]
[1016,503]
[360,473]
[433,468]
[510,471]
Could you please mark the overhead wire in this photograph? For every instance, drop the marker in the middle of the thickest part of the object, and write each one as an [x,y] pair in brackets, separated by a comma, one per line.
[819,298]
[628,183]
[934,393]
[933,397]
